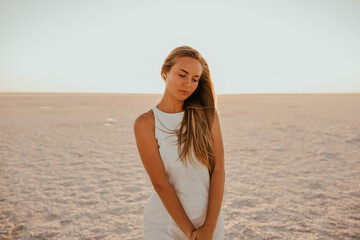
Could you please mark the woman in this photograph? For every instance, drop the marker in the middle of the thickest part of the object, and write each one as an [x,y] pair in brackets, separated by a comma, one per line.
[180,145]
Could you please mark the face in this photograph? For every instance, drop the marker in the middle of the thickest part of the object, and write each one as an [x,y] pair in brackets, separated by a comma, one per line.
[183,77]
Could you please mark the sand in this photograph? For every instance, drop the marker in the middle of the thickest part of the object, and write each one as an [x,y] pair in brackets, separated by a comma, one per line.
[69,166]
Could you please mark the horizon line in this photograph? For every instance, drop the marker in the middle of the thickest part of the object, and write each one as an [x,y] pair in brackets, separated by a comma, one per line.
[132,93]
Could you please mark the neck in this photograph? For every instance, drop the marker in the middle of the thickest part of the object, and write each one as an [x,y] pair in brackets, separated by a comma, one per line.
[170,104]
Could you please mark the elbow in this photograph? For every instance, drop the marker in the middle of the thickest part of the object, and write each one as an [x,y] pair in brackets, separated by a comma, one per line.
[161,186]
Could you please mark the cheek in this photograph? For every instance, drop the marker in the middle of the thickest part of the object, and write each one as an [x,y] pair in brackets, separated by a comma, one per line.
[176,82]
[173,83]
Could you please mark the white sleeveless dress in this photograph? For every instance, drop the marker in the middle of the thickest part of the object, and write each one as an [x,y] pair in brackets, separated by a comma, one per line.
[191,185]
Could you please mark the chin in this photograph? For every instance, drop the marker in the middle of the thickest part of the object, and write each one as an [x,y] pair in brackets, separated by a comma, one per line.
[183,98]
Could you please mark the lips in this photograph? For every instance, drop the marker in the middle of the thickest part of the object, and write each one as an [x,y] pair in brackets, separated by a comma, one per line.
[183,91]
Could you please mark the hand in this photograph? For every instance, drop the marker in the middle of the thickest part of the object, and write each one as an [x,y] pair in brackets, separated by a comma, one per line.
[204,233]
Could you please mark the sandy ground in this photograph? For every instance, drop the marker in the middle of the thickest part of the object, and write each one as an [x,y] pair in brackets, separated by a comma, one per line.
[69,166]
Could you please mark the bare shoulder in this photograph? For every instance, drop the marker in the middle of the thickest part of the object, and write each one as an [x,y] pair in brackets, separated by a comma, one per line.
[145,121]
[216,117]
[215,128]
[216,114]
[144,127]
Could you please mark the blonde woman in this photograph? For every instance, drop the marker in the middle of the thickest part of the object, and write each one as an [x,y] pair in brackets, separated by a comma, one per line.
[180,145]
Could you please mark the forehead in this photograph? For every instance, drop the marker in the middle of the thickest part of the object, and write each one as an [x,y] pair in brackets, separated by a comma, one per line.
[190,65]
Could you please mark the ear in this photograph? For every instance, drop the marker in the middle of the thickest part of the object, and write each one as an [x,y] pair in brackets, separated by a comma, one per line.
[164,75]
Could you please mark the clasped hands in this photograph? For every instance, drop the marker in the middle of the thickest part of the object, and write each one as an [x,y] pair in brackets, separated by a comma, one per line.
[202,233]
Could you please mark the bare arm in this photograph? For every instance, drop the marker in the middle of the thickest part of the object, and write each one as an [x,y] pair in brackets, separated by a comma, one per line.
[217,180]
[150,156]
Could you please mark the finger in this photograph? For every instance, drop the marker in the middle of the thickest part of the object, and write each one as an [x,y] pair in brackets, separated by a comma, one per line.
[195,234]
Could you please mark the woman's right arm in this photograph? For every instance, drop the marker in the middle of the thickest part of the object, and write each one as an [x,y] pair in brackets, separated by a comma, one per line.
[151,159]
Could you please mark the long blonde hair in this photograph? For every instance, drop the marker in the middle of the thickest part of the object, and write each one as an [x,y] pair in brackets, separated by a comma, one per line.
[199,111]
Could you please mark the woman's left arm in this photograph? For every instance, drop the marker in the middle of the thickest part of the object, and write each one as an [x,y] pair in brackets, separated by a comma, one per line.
[217,180]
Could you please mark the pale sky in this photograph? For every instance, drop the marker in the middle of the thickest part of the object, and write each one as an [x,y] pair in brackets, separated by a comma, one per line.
[251,46]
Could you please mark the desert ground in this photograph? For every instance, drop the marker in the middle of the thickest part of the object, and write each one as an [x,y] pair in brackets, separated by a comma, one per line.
[70,169]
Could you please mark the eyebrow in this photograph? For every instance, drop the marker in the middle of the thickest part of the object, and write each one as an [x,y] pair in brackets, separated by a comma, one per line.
[188,73]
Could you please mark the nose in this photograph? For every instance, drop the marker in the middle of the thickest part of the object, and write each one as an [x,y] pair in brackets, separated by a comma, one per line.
[187,82]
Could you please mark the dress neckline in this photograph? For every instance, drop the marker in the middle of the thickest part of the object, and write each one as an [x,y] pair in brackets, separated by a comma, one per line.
[178,113]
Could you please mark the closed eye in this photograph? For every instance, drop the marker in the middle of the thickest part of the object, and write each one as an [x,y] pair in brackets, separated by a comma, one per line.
[193,79]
